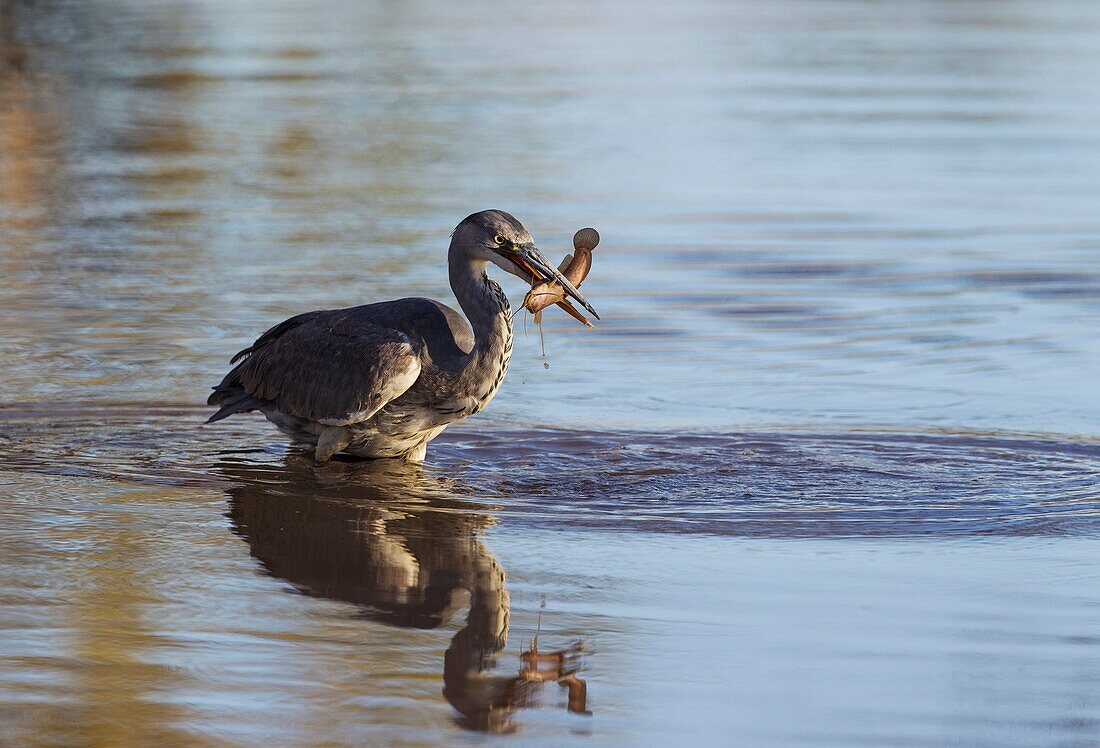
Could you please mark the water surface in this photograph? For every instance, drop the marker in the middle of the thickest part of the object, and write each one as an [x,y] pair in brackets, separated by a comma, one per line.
[825,473]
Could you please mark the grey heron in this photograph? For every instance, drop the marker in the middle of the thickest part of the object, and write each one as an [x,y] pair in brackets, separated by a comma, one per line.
[383,380]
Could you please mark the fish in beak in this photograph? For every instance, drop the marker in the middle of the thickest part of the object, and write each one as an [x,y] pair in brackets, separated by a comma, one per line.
[531,261]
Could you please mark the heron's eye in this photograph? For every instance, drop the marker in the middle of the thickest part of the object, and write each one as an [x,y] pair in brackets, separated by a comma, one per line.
[499,239]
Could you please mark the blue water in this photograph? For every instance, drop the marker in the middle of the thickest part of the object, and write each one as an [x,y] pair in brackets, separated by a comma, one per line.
[826,472]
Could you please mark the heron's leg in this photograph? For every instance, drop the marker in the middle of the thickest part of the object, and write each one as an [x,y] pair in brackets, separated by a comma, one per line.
[331,441]
[417,453]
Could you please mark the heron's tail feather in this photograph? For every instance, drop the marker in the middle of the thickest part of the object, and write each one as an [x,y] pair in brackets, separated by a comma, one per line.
[232,400]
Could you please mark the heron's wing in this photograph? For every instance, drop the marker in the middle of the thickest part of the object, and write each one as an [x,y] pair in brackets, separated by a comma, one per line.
[328,366]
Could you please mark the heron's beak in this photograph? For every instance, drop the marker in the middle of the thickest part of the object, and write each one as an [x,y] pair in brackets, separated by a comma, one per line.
[528,258]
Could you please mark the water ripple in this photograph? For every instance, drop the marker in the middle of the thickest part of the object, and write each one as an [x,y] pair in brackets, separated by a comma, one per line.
[783,483]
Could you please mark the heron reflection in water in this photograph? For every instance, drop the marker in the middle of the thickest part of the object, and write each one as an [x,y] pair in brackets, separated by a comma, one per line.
[383,380]
[407,550]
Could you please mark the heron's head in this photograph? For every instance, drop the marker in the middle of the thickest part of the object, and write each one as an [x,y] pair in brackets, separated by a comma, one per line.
[497,237]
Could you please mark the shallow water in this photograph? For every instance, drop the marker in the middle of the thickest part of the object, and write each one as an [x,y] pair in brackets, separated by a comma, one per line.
[825,473]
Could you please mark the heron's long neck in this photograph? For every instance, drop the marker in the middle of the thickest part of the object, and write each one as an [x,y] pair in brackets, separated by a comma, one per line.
[489,314]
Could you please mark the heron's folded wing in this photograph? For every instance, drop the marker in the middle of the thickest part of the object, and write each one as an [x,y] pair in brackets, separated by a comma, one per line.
[329,367]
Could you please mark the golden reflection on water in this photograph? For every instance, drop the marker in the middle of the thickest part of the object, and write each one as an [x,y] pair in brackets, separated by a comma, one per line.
[129,655]
[100,680]
[116,646]
[27,128]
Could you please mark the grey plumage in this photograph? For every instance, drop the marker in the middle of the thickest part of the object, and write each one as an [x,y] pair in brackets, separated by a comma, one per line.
[382,380]
[324,365]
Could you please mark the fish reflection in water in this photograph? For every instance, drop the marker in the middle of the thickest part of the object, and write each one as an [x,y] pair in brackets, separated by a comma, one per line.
[399,544]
